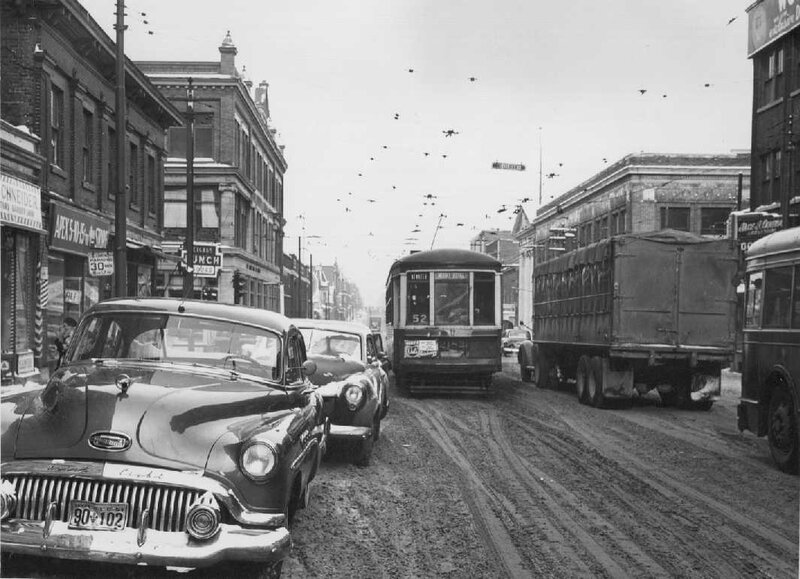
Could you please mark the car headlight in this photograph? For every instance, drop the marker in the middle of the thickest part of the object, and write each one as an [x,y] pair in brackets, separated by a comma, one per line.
[203,518]
[8,499]
[258,460]
[353,395]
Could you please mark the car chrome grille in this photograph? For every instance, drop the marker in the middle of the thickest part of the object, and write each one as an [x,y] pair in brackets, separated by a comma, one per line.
[168,505]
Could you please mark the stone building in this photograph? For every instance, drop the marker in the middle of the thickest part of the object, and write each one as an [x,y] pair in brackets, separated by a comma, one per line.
[58,91]
[641,192]
[239,172]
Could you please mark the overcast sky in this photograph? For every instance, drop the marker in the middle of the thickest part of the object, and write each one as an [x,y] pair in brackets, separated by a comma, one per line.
[568,74]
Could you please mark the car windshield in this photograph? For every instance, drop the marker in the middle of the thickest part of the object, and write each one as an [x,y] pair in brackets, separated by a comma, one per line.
[179,339]
[332,343]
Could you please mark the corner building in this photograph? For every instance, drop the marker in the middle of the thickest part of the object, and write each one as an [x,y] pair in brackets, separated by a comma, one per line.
[58,92]
[238,181]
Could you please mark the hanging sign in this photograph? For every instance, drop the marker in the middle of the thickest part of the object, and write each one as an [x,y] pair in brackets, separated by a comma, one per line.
[508,166]
[207,259]
[101,263]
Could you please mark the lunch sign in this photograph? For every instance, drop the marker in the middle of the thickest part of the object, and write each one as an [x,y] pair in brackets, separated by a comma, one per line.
[207,258]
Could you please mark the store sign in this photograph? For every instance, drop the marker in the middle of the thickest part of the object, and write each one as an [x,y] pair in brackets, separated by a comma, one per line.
[207,259]
[101,263]
[20,203]
[748,228]
[78,231]
[769,20]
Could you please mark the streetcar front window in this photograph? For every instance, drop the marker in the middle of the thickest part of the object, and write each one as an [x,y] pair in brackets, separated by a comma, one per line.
[451,304]
[777,292]
[752,316]
[419,299]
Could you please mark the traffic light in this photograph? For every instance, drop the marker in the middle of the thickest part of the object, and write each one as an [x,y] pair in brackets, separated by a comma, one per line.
[239,284]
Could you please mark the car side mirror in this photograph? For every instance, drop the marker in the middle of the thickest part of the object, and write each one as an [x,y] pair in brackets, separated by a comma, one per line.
[309,368]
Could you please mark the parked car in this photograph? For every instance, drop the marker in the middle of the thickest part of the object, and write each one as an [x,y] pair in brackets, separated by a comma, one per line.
[512,338]
[351,375]
[176,433]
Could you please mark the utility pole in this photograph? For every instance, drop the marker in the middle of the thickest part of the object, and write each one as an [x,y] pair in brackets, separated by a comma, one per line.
[121,198]
[310,285]
[540,168]
[188,276]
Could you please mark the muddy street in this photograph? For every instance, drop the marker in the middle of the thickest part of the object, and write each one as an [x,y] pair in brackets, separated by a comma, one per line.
[529,483]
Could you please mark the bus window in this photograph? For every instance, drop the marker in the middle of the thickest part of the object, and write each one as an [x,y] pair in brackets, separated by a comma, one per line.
[484,299]
[451,304]
[419,299]
[777,292]
[753,307]
[796,306]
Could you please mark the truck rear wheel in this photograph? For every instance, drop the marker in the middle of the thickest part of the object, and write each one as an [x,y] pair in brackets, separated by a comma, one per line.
[582,377]
[594,386]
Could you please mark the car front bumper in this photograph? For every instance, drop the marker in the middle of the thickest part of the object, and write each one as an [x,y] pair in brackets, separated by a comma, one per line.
[134,546]
[341,432]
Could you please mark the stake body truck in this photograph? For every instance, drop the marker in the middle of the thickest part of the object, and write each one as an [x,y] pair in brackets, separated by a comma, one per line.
[632,313]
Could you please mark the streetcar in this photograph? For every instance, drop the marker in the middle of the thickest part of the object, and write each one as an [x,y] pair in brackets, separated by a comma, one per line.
[444,321]
[770,402]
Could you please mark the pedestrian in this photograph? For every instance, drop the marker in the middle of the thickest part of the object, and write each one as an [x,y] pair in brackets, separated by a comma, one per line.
[63,337]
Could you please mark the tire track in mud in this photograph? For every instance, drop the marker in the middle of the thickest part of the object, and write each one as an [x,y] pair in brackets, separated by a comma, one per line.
[780,549]
[567,502]
[653,517]
[477,495]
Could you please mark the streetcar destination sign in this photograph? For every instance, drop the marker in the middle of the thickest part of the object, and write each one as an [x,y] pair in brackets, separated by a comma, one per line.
[508,166]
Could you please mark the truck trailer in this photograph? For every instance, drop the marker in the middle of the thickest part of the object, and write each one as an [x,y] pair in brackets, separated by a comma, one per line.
[633,313]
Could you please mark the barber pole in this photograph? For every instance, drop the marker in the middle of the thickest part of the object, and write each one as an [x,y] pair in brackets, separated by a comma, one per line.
[41,305]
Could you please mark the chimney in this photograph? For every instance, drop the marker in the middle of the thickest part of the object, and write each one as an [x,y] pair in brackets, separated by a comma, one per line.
[262,98]
[227,54]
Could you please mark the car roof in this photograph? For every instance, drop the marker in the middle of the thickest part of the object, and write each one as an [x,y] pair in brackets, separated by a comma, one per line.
[335,325]
[229,312]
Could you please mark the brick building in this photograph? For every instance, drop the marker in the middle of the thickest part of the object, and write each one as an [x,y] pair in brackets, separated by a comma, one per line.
[239,172]
[58,85]
[639,193]
[774,47]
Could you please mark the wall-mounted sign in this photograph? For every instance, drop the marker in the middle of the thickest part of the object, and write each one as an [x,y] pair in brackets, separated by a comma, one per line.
[20,203]
[508,166]
[78,231]
[101,263]
[747,228]
[768,20]
[207,258]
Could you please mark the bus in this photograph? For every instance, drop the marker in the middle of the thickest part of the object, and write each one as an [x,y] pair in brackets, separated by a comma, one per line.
[770,399]
[444,320]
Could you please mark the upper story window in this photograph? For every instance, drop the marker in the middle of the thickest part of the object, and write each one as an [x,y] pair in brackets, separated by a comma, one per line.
[133,175]
[203,142]
[88,146]
[773,76]
[152,183]
[675,218]
[57,126]
[714,220]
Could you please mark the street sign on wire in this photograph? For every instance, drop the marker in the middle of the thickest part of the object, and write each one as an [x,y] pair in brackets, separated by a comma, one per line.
[101,263]
[207,258]
[508,166]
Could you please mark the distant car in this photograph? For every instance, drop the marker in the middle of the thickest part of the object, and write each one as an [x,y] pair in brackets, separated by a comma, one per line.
[351,375]
[512,338]
[175,433]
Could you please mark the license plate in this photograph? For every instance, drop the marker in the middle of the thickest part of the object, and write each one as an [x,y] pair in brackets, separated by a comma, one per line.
[97,516]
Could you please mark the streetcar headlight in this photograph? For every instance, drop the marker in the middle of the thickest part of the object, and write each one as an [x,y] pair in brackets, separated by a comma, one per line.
[353,395]
[203,518]
[8,499]
[258,460]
